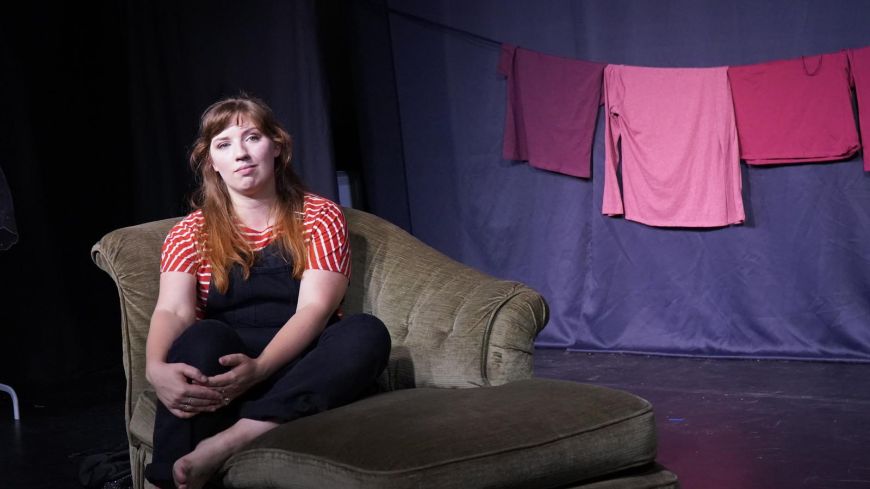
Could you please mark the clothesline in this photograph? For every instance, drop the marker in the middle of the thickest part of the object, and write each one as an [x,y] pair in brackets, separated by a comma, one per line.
[446,27]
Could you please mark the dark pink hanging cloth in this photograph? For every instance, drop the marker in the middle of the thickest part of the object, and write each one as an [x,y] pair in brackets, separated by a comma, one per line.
[794,111]
[551,110]
[859,59]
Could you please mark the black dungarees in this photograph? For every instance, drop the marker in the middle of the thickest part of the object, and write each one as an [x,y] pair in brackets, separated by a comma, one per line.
[340,366]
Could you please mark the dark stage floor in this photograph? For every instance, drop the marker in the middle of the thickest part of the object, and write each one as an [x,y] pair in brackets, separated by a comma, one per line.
[723,424]
[59,426]
[743,424]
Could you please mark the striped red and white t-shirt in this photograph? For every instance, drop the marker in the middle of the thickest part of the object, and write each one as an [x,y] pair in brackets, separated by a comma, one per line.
[325,235]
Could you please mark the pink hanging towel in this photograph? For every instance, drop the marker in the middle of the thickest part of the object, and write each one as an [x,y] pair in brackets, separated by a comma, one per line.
[794,111]
[551,110]
[680,161]
[859,60]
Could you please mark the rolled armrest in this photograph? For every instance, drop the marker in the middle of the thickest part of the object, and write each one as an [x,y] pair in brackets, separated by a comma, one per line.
[512,331]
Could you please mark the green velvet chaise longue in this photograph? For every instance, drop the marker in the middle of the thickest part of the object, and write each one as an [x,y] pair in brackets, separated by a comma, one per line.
[459,407]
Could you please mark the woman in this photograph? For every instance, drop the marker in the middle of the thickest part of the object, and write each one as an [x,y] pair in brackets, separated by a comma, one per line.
[247,332]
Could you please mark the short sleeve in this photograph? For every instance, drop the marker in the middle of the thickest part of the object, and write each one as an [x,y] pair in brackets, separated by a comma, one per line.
[179,252]
[328,245]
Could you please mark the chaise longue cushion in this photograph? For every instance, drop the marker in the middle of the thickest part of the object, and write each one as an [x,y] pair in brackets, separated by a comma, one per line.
[534,433]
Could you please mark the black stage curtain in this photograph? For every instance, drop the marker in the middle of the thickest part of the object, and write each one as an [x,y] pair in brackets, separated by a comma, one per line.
[100,103]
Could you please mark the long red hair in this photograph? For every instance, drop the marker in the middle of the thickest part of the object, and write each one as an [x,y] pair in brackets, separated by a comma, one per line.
[222,242]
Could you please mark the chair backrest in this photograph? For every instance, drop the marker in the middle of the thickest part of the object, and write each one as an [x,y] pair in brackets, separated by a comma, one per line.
[131,256]
[451,326]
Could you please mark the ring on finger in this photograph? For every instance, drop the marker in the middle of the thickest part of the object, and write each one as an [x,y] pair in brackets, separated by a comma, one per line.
[226,400]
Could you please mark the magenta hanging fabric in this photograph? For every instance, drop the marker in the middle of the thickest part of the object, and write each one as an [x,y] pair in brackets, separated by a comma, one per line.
[859,61]
[551,110]
[680,157]
[794,111]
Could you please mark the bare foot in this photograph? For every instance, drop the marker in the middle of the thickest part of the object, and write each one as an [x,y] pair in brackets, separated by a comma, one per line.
[195,469]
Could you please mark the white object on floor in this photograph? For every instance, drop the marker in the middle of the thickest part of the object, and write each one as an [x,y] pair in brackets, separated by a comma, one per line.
[9,390]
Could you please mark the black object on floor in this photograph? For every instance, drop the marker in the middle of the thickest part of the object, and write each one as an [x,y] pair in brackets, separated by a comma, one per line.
[106,469]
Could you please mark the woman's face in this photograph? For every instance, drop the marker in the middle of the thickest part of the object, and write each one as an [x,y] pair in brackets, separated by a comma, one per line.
[245,159]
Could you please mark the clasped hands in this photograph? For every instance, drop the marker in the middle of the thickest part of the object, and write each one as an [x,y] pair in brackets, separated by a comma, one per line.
[186,391]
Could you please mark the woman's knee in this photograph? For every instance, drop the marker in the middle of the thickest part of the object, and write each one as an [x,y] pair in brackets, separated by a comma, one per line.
[364,324]
[202,343]
[365,329]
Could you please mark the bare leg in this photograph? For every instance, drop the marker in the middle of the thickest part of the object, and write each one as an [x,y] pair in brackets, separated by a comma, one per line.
[193,470]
